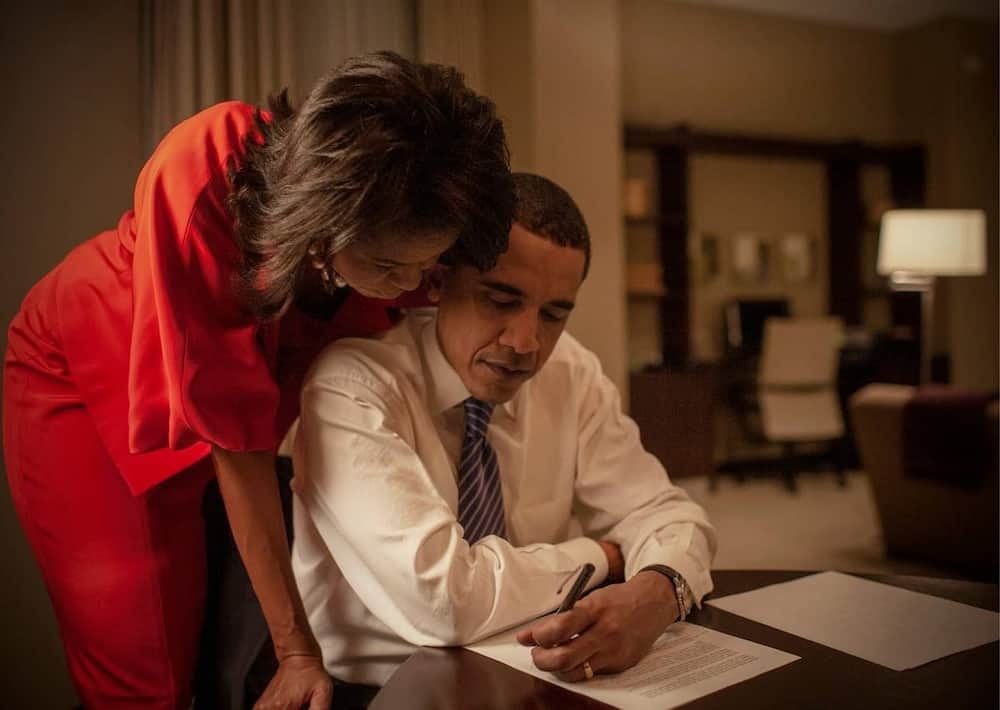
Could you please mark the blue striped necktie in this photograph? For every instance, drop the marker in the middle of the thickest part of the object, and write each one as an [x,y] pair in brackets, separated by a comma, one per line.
[480,497]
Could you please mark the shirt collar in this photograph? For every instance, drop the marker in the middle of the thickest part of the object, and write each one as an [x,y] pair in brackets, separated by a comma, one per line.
[445,388]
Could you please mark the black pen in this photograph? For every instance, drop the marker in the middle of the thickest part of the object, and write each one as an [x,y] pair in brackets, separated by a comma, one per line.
[576,591]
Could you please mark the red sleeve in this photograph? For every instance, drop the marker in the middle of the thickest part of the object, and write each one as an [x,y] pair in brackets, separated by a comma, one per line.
[196,370]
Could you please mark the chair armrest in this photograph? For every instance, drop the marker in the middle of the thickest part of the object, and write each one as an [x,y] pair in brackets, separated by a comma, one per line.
[922,518]
[877,419]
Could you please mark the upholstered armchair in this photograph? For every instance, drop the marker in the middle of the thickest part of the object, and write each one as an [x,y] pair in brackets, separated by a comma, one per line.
[932,463]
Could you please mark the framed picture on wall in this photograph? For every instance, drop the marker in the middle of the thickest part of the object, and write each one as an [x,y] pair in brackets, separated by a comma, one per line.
[798,256]
[751,257]
[707,266]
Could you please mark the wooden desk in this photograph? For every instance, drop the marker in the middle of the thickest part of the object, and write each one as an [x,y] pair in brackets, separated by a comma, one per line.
[456,679]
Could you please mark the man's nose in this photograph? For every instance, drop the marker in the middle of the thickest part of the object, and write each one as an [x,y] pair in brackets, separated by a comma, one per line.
[521,332]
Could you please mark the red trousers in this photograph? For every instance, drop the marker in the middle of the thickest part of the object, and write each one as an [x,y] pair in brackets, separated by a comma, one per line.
[126,574]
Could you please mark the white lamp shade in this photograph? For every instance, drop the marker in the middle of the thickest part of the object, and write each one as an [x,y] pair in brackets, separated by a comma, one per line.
[935,242]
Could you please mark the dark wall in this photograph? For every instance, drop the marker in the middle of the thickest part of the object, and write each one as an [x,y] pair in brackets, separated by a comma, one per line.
[70,138]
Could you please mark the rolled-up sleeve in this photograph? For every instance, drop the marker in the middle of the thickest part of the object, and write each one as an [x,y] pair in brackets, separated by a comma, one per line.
[625,494]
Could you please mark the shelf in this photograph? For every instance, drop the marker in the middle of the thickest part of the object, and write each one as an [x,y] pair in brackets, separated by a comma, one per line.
[654,220]
[644,280]
[657,226]
[876,292]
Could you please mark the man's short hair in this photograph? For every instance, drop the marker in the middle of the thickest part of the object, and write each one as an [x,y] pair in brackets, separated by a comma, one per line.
[545,209]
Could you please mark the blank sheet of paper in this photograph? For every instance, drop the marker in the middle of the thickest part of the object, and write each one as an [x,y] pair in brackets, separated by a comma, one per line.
[880,623]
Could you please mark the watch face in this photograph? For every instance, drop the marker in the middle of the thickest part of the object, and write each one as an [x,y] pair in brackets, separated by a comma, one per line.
[688,601]
[684,593]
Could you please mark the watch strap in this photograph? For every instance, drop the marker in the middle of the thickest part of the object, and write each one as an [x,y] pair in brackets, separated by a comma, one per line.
[685,598]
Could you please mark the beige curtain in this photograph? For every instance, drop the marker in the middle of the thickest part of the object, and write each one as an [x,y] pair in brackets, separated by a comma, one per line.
[200,52]
[453,32]
[330,31]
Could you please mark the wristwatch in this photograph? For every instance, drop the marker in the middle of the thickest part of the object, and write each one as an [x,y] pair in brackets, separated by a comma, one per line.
[685,597]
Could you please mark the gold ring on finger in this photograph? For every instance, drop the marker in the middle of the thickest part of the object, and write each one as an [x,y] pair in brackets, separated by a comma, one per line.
[587,670]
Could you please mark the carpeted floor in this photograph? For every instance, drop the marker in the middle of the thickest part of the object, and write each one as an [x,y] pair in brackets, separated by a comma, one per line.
[822,527]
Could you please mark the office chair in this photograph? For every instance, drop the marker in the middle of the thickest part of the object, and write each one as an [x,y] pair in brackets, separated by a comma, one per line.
[743,323]
[797,388]
[743,320]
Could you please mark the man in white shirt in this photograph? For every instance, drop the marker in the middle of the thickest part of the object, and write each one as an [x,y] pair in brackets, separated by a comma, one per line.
[391,480]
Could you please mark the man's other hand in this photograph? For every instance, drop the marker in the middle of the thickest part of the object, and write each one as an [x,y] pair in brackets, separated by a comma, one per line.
[616,563]
[611,629]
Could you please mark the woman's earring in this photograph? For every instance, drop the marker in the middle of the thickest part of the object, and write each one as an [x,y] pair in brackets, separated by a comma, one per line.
[327,274]
[331,279]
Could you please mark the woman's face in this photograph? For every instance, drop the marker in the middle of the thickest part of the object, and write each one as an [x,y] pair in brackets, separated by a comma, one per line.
[386,268]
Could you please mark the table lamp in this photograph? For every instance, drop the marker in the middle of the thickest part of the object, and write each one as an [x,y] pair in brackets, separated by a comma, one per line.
[915,246]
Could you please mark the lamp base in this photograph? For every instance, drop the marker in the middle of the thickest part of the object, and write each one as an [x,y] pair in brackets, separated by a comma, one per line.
[924,284]
[910,281]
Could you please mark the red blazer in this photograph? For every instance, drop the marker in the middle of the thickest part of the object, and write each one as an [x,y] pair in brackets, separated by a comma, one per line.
[147,321]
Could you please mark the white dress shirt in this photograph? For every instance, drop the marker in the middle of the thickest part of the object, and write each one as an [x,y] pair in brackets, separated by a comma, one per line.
[379,555]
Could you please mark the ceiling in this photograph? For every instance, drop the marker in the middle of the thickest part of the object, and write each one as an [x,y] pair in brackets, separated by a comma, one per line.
[886,15]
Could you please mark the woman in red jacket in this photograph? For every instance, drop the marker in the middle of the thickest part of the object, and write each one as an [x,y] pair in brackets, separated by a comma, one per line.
[171,349]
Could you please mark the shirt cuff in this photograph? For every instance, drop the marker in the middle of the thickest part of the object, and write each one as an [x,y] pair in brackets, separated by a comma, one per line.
[697,578]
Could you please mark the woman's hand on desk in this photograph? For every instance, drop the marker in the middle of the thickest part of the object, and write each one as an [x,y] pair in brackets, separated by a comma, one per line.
[611,629]
[301,682]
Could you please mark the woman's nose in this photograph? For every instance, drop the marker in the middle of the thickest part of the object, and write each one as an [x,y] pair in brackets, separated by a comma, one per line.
[409,277]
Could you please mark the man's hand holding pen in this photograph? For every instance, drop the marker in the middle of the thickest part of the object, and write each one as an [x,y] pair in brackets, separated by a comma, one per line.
[606,632]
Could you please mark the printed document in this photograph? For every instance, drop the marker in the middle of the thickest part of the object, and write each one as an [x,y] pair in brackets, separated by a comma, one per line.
[880,623]
[685,663]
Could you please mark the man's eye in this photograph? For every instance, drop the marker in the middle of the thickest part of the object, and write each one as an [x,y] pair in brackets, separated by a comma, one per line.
[502,302]
[553,316]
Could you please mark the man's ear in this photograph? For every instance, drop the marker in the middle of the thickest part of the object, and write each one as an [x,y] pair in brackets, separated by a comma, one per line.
[434,280]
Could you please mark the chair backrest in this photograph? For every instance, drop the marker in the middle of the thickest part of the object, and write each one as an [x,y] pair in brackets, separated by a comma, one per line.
[800,352]
[744,320]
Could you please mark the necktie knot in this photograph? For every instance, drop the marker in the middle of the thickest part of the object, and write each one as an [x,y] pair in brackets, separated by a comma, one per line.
[477,417]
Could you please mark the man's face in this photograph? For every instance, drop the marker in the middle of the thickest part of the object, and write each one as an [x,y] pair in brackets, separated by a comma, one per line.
[498,328]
